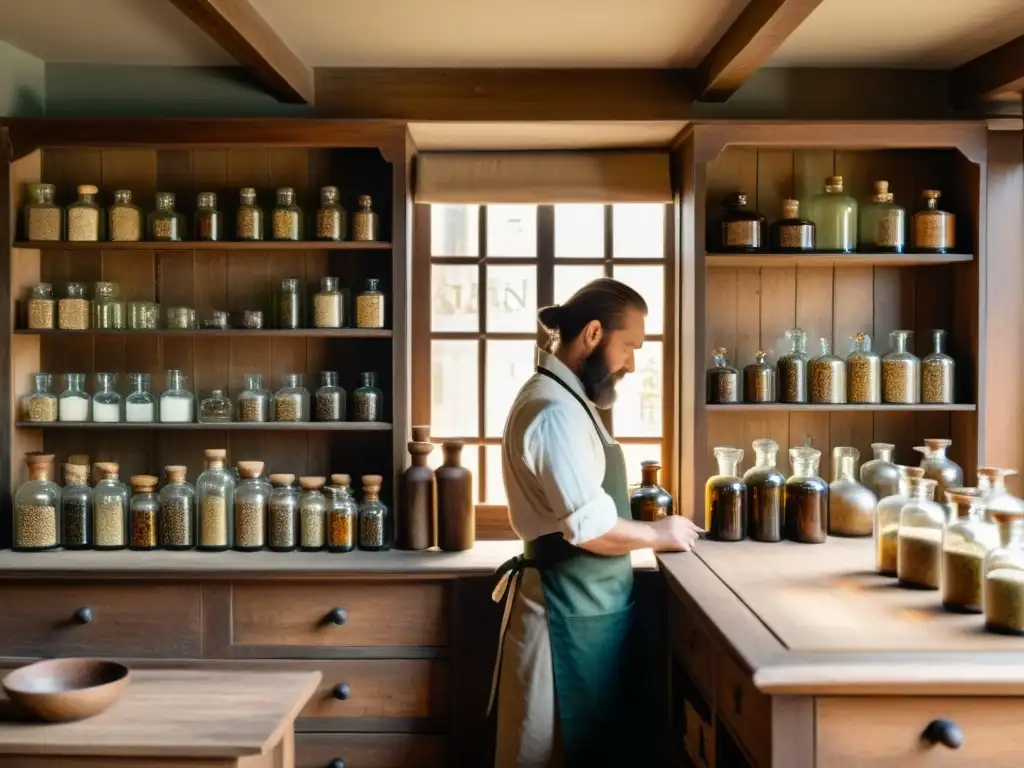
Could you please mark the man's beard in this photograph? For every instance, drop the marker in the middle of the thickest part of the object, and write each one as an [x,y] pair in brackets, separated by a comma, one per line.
[598,381]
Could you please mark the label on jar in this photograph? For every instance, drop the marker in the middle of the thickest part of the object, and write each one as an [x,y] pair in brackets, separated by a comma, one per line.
[796,236]
[741,234]
[934,230]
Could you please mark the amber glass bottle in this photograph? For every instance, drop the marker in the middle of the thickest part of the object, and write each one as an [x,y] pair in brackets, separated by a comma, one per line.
[765,488]
[806,498]
[791,234]
[725,498]
[650,501]
[740,229]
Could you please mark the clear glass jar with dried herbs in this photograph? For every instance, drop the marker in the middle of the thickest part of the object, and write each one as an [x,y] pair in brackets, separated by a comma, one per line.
[863,372]
[330,219]
[759,380]
[215,409]
[144,517]
[283,509]
[883,223]
[365,223]
[901,371]
[919,549]
[124,219]
[110,500]
[41,308]
[108,310]
[343,517]
[793,368]
[886,527]
[249,217]
[965,542]
[254,403]
[938,372]
[44,220]
[1004,576]
[291,401]
[177,510]
[934,230]
[368,400]
[252,500]
[370,306]
[329,305]
[286,220]
[165,224]
[329,400]
[312,514]
[723,381]
[73,309]
[209,224]
[40,405]
[374,517]
[827,375]
[85,219]
[37,506]
[76,508]
[288,304]
[215,493]
[143,315]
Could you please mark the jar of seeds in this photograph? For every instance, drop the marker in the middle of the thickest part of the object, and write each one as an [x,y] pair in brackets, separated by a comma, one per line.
[144,517]
[181,319]
[215,493]
[374,517]
[41,403]
[291,402]
[73,309]
[288,304]
[215,409]
[722,379]
[919,541]
[124,219]
[255,402]
[365,223]
[284,514]
[208,218]
[36,505]
[937,372]
[165,223]
[1004,576]
[329,401]
[368,401]
[143,315]
[933,230]
[41,308]
[177,510]
[107,307]
[44,221]
[342,516]
[793,368]
[370,306]
[965,542]
[828,377]
[84,217]
[110,508]
[863,372]
[758,380]
[901,371]
[249,219]
[73,404]
[330,219]
[287,217]
[214,320]
[329,305]
[76,508]
[252,497]
[312,514]
[252,320]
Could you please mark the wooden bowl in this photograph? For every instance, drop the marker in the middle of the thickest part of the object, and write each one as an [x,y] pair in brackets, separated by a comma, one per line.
[59,690]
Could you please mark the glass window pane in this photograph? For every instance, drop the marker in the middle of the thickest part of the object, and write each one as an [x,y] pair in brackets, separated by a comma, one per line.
[511,230]
[649,282]
[638,231]
[635,453]
[495,483]
[454,297]
[454,230]
[511,299]
[637,409]
[453,388]
[470,460]
[570,279]
[509,364]
[579,231]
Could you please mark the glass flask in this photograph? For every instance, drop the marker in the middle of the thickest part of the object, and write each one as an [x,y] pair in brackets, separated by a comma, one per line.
[330,219]
[740,229]
[286,220]
[851,506]
[329,398]
[370,306]
[835,217]
[725,498]
[791,234]
[291,402]
[283,535]
[806,515]
[165,223]
[650,501]
[215,492]
[106,403]
[177,404]
[108,311]
[723,380]
[177,510]
[1004,576]
[124,219]
[208,218]
[759,380]
[76,508]
[886,527]
[965,542]
[374,517]
[945,472]
[288,304]
[41,404]
[901,371]
[73,309]
[365,223]
[140,405]
[73,403]
[883,223]
[765,489]
[827,375]
[880,474]
[343,517]
[254,403]
[37,507]
[863,372]
[110,500]
[793,368]
[44,221]
[85,217]
[937,372]
[368,400]
[312,514]
[41,308]
[329,305]
[934,230]
[252,499]
[249,218]
[215,409]
[144,515]
[919,543]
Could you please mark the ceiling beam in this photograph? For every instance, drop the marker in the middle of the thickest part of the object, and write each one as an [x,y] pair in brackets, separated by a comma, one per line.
[751,40]
[237,28]
[998,71]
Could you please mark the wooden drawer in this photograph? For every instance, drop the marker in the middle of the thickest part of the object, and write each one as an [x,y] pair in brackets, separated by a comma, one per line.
[387,614]
[363,750]
[152,620]
[378,689]
[746,709]
[886,732]
[692,644]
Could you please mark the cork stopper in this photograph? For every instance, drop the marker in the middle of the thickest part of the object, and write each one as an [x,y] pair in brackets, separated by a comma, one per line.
[834,183]
[75,474]
[250,468]
[79,459]
[371,485]
[421,434]
[175,473]
[790,209]
[40,465]
[341,480]
[912,473]
[649,471]
[365,201]
[88,189]
[108,470]
[282,480]
[216,457]
[937,442]
[144,483]
[931,194]
[312,483]
[963,499]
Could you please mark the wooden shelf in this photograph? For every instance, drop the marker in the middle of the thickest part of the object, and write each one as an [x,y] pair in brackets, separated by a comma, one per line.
[270,426]
[842,407]
[835,259]
[217,245]
[306,333]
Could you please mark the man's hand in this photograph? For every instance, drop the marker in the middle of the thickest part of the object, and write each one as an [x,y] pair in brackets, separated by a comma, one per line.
[676,534]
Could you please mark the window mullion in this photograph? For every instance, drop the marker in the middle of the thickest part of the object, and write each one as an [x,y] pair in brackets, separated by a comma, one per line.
[481,379]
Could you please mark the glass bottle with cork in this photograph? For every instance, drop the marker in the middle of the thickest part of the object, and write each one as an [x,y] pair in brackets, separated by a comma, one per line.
[124,219]
[938,372]
[37,506]
[368,400]
[883,223]
[417,508]
[255,403]
[215,493]
[650,501]
[343,518]
[76,508]
[330,219]
[827,374]
[791,234]
[723,381]
[140,405]
[85,219]
[283,510]
[312,514]
[1004,576]
[992,481]
[252,498]
[834,214]
[740,228]
[725,498]
[44,220]
[40,405]
[215,409]
[165,224]
[41,308]
[208,218]
[329,399]
[759,380]
[806,515]
[374,517]
[286,220]
[177,510]
[938,467]
[370,306]
[919,549]
[73,403]
[291,402]
[249,217]
[886,526]
[177,403]
[934,230]
[144,515]
[851,505]
[110,504]
[106,402]
[765,487]
[329,305]
[965,542]
[365,223]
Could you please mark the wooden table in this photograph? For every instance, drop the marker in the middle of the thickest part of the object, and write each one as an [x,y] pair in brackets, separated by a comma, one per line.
[172,719]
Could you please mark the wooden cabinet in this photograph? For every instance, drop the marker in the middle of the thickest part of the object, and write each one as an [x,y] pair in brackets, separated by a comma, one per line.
[370,751]
[381,689]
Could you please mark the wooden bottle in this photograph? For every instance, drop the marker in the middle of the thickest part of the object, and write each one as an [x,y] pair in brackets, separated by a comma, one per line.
[417,511]
[456,523]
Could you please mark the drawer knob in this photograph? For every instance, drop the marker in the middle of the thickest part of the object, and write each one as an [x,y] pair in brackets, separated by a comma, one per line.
[944,732]
[84,615]
[337,617]
[338,763]
[341,691]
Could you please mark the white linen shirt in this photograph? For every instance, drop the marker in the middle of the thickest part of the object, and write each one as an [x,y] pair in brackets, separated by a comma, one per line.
[553,460]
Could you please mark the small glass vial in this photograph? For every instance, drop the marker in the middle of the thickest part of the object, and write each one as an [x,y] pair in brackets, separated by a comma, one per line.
[208,218]
[791,234]
[165,224]
[765,488]
[365,223]
[73,309]
[806,516]
[835,217]
[759,380]
[249,219]
[181,319]
[254,402]
[740,229]
[76,508]
[1004,576]
[41,308]
[828,377]
[107,307]
[312,514]
[329,305]
[44,221]
[37,507]
[863,372]
[330,219]
[73,403]
[215,409]
[650,501]
[851,506]
[367,401]
[937,372]
[143,315]
[287,216]
[41,405]
[329,400]
[934,230]
[140,405]
[84,217]
[283,526]
[144,517]
[723,381]
[725,498]
[374,517]
[124,220]
[965,542]
[793,368]
[343,517]
[901,371]
[883,224]
[110,500]
[215,493]
[288,304]
[919,553]
[177,404]
[370,306]
[291,402]
[177,510]
[106,402]
[252,496]
[886,527]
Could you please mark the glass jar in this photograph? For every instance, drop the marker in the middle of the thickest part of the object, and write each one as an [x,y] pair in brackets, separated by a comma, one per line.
[291,402]
[791,234]
[287,217]
[765,488]
[886,527]
[827,374]
[215,491]
[252,496]
[36,507]
[1004,576]
[106,402]
[252,320]
[312,514]
[365,224]
[725,498]
[44,221]
[124,220]
[110,508]
[367,400]
[883,224]
[107,307]
[208,218]
[806,495]
[73,309]
[284,514]
[177,404]
[851,506]
[919,551]
[740,229]
[835,216]
[880,474]
[254,403]
[650,501]
[370,306]
[288,305]
[330,219]
[329,399]
[76,508]
[140,405]
[343,516]
[84,217]
[181,319]
[143,315]
[723,383]
[374,517]
[793,368]
[214,320]
[863,372]
[144,520]
[177,510]
[73,403]
[901,371]
[937,372]
[165,224]
[934,230]
[944,471]
[992,481]
[758,380]
[41,404]
[965,542]
[329,305]
[249,218]
[40,310]
[215,409]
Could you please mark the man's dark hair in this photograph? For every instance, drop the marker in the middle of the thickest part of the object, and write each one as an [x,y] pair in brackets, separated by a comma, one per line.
[604,300]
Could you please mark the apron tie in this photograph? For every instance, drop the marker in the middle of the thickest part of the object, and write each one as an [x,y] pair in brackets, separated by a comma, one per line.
[510,573]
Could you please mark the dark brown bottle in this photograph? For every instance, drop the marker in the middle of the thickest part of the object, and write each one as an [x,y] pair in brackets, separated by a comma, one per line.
[725,498]
[650,501]
[806,498]
[740,229]
[456,523]
[791,234]
[765,489]
[417,510]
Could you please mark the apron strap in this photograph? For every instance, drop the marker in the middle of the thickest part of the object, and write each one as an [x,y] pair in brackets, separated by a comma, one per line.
[576,395]
[510,573]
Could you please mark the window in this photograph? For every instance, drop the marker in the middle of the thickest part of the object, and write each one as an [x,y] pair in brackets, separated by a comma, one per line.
[475,317]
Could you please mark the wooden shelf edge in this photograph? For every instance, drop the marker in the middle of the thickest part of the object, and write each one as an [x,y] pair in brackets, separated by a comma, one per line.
[216,245]
[834,259]
[311,333]
[843,407]
[269,426]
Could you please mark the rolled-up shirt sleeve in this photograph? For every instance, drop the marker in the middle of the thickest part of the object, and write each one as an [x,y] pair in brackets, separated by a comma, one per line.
[562,455]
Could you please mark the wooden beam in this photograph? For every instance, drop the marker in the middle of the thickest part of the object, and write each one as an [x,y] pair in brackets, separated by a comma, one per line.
[998,71]
[751,40]
[237,28]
